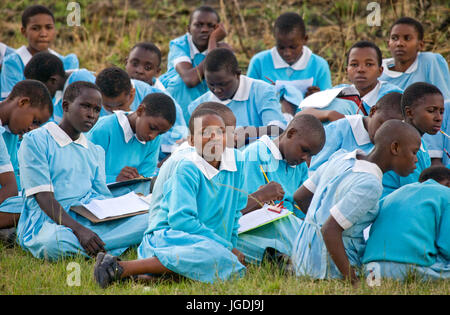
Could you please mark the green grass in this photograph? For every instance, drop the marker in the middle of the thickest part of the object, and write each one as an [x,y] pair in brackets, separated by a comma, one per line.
[20,273]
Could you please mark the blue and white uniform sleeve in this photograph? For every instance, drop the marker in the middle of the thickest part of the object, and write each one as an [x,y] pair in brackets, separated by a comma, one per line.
[178,53]
[323,78]
[5,160]
[269,108]
[254,69]
[333,143]
[12,72]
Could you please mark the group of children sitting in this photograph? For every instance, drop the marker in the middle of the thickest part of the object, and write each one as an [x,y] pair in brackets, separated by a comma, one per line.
[363,167]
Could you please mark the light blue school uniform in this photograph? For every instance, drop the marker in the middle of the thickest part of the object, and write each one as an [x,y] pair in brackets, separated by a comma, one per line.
[382,88]
[195,228]
[412,230]
[75,76]
[428,67]
[4,51]
[347,189]
[12,144]
[183,49]
[75,172]
[393,181]
[254,104]
[348,133]
[14,66]
[122,147]
[269,66]
[279,234]
[439,143]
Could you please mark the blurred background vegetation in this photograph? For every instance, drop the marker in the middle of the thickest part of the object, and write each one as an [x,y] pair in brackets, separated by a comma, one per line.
[110,28]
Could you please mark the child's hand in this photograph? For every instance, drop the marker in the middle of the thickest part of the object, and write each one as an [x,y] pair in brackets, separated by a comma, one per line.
[269,192]
[127,173]
[239,255]
[90,241]
[219,33]
[333,115]
[311,90]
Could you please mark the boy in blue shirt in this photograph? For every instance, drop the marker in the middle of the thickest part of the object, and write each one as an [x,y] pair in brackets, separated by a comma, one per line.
[341,199]
[38,27]
[60,168]
[411,232]
[408,64]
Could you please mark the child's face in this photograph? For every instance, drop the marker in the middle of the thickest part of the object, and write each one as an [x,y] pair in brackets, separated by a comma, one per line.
[209,138]
[143,65]
[427,115]
[84,111]
[290,45]
[362,69]
[39,32]
[25,118]
[149,127]
[121,102]
[405,162]
[201,27]
[404,43]
[445,182]
[300,148]
[377,118]
[222,83]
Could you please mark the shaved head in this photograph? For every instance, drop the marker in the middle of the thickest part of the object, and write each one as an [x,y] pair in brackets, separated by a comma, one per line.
[396,131]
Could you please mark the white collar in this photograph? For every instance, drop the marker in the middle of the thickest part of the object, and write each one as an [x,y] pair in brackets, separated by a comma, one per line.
[2,51]
[300,64]
[126,127]
[359,132]
[363,165]
[157,84]
[62,138]
[227,163]
[193,50]
[242,93]
[372,97]
[271,146]
[395,74]
[25,55]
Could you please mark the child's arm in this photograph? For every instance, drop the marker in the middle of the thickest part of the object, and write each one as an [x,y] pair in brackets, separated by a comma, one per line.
[322,115]
[266,193]
[8,185]
[127,173]
[303,197]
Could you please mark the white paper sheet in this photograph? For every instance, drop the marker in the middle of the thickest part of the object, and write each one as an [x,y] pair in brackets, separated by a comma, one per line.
[260,217]
[125,204]
[301,85]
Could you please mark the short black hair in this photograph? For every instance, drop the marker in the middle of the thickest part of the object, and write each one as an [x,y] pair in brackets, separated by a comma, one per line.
[308,124]
[113,81]
[390,102]
[222,110]
[200,113]
[221,58]
[410,21]
[36,91]
[206,9]
[289,21]
[35,10]
[415,92]
[149,47]
[74,90]
[436,172]
[160,104]
[42,66]
[367,44]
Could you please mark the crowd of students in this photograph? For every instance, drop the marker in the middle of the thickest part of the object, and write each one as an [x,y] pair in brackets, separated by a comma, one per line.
[363,167]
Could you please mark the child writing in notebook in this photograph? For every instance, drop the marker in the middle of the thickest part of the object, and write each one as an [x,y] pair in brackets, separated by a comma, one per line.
[27,107]
[60,168]
[38,27]
[422,107]
[341,199]
[357,131]
[194,230]
[411,234]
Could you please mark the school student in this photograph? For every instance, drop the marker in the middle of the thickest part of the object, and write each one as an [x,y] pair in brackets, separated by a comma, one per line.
[184,79]
[422,107]
[341,200]
[409,64]
[194,231]
[49,69]
[291,60]
[357,131]
[60,168]
[253,102]
[411,235]
[438,145]
[131,140]
[26,107]
[38,27]
[282,160]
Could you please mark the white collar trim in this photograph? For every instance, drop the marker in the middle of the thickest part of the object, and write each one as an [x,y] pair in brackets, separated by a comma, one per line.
[62,138]
[126,127]
[271,146]
[300,64]
[364,166]
[227,163]
[359,132]
[193,50]
[25,55]
[242,93]
[372,97]
[2,51]
[395,74]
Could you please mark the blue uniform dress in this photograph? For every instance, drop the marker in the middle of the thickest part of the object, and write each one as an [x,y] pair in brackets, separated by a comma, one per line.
[4,51]
[393,181]
[279,234]
[14,65]
[183,49]
[411,233]
[254,104]
[12,144]
[122,148]
[347,189]
[439,143]
[348,133]
[428,67]
[195,228]
[75,172]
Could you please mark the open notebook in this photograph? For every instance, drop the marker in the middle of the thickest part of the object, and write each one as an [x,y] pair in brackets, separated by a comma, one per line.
[260,217]
[114,208]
